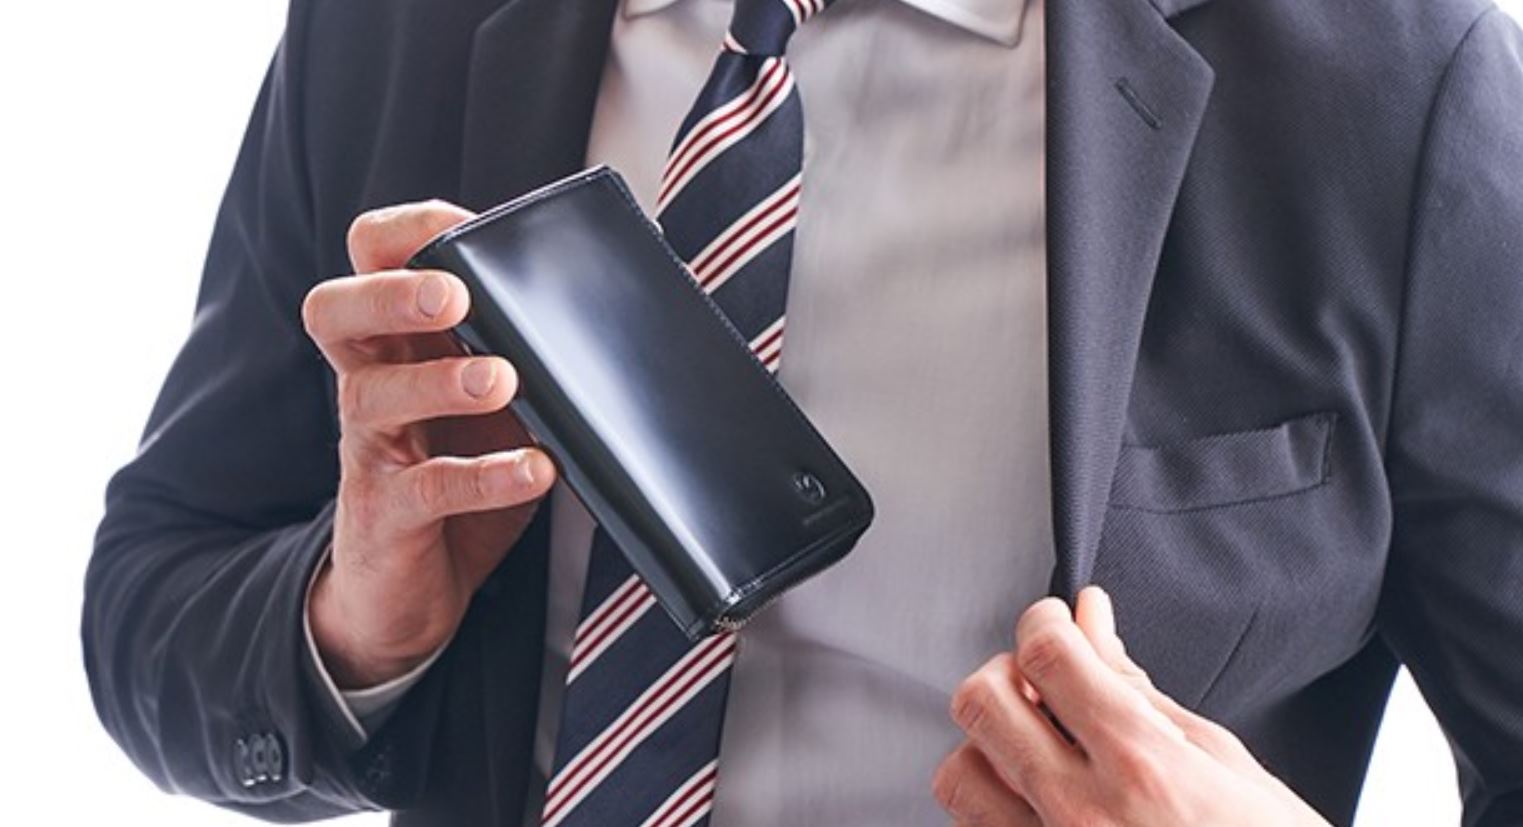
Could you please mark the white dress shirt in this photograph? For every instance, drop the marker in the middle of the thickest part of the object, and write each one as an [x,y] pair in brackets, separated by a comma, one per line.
[917,344]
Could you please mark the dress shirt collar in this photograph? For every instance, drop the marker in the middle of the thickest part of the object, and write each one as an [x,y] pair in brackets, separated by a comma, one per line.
[997,20]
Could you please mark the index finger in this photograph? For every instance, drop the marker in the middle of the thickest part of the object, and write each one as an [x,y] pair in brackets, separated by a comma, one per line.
[341,311]
[386,238]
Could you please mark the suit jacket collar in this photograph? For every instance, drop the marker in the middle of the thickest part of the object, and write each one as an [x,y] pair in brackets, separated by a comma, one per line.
[996,20]
[1126,95]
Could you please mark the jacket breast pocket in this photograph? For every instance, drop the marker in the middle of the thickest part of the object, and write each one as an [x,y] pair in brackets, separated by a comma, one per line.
[1225,469]
[1197,531]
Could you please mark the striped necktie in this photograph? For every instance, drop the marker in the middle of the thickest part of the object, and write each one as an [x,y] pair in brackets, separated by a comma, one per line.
[643,708]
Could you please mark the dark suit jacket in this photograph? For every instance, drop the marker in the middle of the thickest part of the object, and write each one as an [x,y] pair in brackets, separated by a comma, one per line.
[1286,310]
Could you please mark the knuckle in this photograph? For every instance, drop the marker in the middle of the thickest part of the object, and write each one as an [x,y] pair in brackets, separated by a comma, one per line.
[1044,791]
[950,785]
[1144,780]
[353,467]
[431,490]
[1134,673]
[365,228]
[1023,766]
[1214,737]
[394,301]
[478,486]
[442,213]
[1217,732]
[354,395]
[1043,653]
[944,785]
[972,701]
[357,497]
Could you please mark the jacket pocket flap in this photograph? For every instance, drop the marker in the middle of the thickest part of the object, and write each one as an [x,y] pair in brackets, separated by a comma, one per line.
[1225,469]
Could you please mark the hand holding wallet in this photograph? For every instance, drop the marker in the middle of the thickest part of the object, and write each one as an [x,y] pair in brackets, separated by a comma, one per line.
[685,449]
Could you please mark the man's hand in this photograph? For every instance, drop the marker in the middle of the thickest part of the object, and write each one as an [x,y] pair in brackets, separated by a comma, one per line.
[1122,753]
[435,482]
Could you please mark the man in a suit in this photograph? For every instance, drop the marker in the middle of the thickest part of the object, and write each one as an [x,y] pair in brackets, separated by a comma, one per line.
[1214,304]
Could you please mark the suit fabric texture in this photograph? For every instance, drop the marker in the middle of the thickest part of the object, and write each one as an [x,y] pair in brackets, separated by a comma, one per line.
[1285,292]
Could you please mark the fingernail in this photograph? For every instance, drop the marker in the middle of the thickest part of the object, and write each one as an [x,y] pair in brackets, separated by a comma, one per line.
[478,378]
[432,295]
[531,467]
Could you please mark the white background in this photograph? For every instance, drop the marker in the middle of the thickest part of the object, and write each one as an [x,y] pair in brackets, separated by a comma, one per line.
[130,113]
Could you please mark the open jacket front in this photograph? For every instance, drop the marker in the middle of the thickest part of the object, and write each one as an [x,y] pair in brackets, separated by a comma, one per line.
[1285,280]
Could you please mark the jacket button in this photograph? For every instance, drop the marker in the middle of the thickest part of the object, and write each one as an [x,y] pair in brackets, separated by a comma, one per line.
[243,761]
[259,752]
[275,757]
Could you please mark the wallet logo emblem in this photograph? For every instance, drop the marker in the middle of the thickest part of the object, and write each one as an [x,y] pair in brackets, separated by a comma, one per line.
[809,487]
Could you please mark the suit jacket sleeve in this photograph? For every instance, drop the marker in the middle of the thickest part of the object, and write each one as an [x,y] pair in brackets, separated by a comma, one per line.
[1453,604]
[193,620]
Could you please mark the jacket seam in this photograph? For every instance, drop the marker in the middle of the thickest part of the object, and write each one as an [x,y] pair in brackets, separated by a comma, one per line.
[1416,224]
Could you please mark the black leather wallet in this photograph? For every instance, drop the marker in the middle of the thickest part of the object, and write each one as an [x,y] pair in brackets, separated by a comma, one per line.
[685,449]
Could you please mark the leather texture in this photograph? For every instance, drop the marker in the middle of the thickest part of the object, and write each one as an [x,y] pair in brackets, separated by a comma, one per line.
[688,453]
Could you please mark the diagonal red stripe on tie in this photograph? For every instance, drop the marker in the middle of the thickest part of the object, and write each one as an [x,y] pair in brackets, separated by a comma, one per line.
[595,620]
[633,726]
[734,234]
[622,737]
[678,810]
[639,600]
[692,809]
[773,335]
[762,239]
[750,114]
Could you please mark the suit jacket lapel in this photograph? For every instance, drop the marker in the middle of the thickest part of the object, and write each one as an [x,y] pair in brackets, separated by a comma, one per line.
[535,69]
[1125,97]
[535,66]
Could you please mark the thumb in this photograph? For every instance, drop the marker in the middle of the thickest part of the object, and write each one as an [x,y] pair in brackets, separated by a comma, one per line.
[1095,615]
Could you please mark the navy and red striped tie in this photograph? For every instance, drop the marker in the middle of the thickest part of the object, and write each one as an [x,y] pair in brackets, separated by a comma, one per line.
[643,709]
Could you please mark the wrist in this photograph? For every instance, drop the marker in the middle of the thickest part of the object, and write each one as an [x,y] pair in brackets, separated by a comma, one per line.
[353,663]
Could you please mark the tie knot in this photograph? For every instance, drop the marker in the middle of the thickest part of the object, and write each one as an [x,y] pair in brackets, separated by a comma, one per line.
[762,27]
